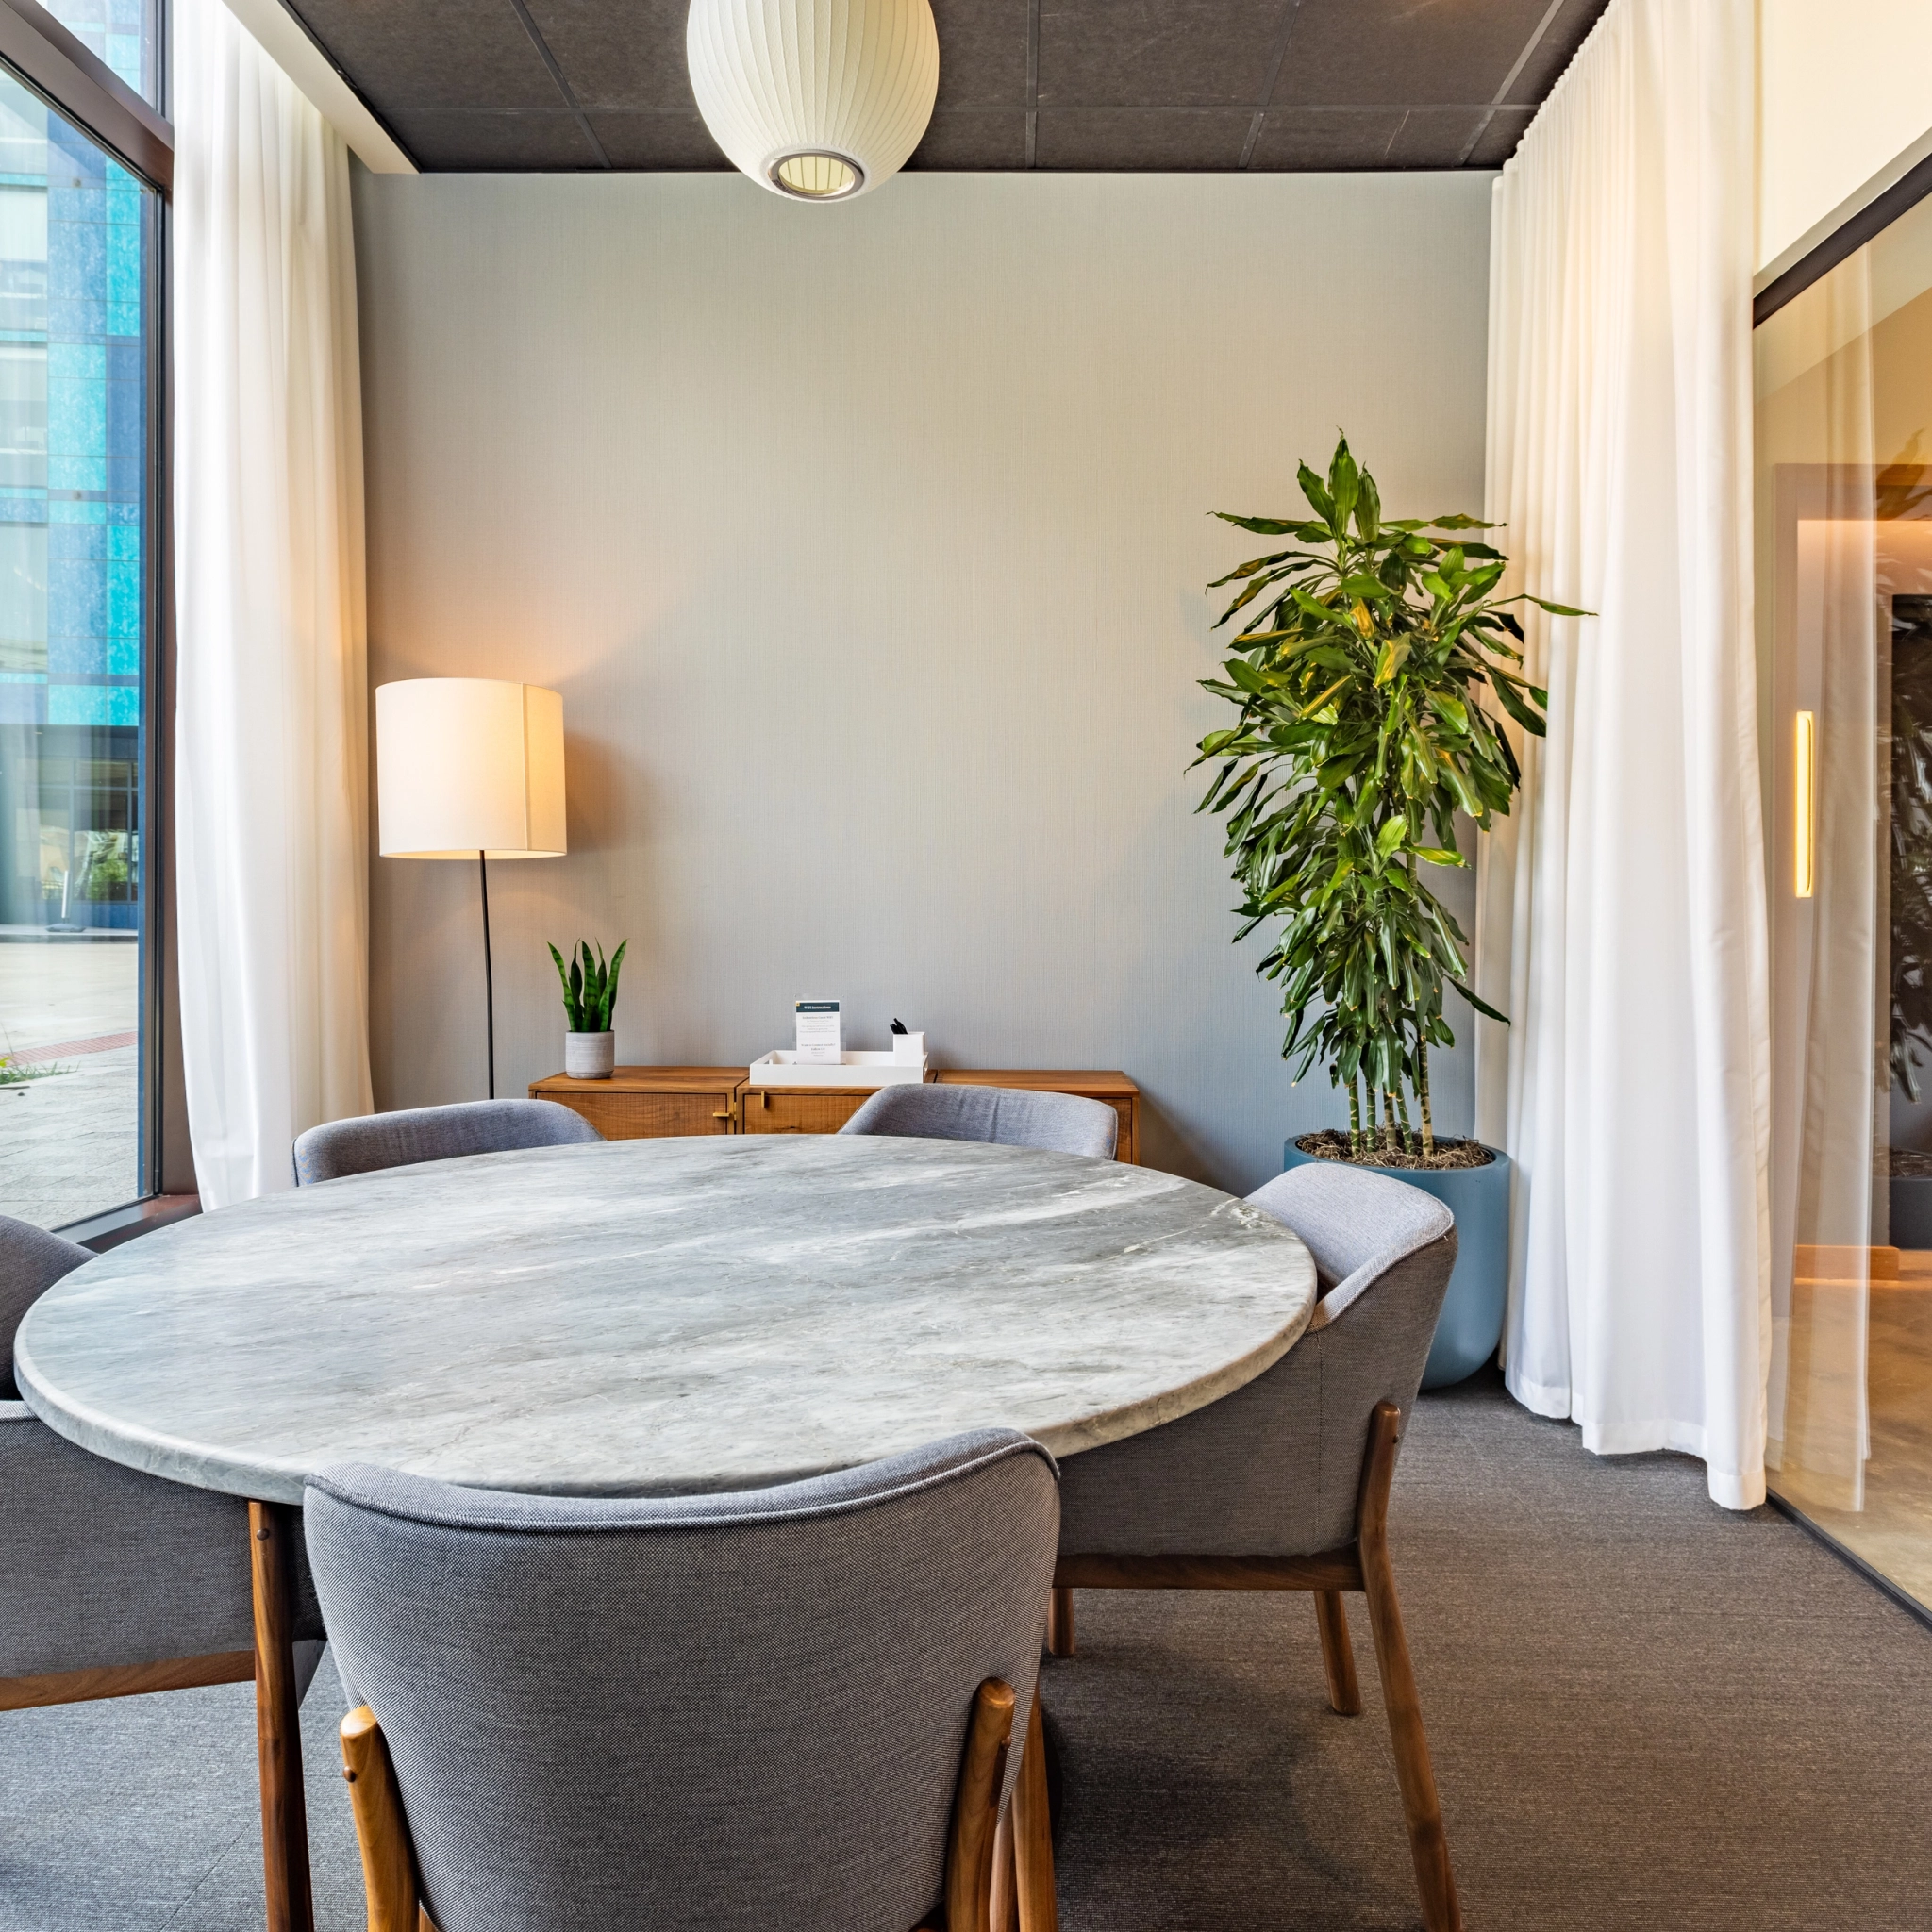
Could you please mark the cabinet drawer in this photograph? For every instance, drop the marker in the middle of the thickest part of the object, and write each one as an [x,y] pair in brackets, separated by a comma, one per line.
[646,1116]
[769,1111]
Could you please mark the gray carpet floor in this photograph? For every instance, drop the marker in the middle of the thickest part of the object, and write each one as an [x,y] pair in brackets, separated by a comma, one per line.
[1645,1712]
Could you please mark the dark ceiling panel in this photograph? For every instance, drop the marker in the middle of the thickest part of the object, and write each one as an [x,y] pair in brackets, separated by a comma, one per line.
[484,143]
[1317,140]
[1497,142]
[404,54]
[1156,53]
[982,55]
[1129,140]
[1310,138]
[620,52]
[1555,51]
[971,139]
[643,138]
[1383,53]
[1114,84]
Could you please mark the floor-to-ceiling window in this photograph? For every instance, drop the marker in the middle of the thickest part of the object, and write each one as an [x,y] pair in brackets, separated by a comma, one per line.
[79,638]
[1844,523]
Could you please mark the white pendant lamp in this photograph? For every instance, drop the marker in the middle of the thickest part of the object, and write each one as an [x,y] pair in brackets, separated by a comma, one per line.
[817,100]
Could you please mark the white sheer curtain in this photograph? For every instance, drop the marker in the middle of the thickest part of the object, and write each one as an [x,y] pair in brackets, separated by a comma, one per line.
[1622,908]
[270,858]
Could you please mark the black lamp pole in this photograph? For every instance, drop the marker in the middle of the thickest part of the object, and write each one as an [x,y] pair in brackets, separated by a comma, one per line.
[489,982]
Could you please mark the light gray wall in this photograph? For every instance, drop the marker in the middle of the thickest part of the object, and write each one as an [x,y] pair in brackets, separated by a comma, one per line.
[866,545]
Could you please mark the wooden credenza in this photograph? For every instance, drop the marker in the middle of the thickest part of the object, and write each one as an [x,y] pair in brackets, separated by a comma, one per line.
[641,1103]
[650,1103]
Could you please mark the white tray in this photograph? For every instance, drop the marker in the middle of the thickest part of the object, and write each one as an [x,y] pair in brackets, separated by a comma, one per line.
[854,1070]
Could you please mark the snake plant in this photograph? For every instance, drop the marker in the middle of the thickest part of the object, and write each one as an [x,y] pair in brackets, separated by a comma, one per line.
[590,987]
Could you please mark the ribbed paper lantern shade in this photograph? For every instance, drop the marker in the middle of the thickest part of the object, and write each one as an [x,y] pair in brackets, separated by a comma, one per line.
[817,100]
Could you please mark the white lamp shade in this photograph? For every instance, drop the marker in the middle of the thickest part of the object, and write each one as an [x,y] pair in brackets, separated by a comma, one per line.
[817,100]
[466,765]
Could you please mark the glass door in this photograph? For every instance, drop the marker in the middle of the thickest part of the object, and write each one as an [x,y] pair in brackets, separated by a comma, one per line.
[1844,599]
[77,242]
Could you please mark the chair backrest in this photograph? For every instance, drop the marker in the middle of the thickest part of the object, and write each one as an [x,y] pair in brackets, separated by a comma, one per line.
[1357,1225]
[1012,1116]
[741,1710]
[31,1262]
[434,1133]
[1383,1254]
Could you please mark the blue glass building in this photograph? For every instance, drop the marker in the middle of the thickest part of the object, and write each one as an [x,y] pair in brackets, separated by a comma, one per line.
[72,504]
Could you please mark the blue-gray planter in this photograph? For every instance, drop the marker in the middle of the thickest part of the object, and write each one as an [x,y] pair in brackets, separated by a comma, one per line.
[1471,1323]
[1911,1210]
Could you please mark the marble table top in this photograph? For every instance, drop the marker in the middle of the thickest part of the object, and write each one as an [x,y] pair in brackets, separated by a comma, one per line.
[663,1315]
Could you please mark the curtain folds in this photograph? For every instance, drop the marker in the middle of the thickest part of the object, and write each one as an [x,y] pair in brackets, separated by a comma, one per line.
[1620,912]
[270,754]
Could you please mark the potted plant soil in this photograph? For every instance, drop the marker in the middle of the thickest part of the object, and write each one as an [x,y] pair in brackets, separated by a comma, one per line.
[590,992]
[1363,690]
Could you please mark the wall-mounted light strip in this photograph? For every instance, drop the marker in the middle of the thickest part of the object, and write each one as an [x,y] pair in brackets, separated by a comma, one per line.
[1804,802]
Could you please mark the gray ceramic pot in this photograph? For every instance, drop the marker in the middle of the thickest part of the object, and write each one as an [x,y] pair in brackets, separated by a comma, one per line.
[1471,1323]
[589,1056]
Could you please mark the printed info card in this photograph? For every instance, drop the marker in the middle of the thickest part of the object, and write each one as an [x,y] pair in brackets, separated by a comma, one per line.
[818,1033]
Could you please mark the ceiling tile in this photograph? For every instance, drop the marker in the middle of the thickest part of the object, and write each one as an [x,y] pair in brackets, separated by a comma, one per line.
[1318,138]
[1133,139]
[620,52]
[1123,84]
[1403,52]
[442,137]
[982,52]
[653,140]
[1434,137]
[434,53]
[1156,53]
[1498,140]
[973,138]
[1556,49]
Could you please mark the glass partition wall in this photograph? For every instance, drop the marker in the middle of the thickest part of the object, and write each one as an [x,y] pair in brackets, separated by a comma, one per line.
[1844,600]
[78,597]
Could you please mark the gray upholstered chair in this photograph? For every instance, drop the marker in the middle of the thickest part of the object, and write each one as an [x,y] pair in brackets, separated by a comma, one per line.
[434,1133]
[1284,1485]
[780,1708]
[112,1582]
[1013,1117]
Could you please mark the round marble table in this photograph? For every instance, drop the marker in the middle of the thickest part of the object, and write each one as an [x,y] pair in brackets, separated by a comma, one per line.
[657,1316]
[647,1316]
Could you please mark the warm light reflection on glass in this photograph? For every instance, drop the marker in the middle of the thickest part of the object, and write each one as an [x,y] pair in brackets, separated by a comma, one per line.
[1804,802]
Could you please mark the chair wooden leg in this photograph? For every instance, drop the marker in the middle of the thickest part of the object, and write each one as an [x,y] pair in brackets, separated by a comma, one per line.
[1038,1907]
[975,1809]
[1337,1653]
[1059,1623]
[272,1528]
[1428,1843]
[1004,1915]
[389,1864]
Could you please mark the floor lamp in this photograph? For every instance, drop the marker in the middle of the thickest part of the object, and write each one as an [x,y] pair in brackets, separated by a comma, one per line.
[470,768]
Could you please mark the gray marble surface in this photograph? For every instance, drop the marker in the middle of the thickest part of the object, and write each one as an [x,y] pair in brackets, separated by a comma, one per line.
[663,1315]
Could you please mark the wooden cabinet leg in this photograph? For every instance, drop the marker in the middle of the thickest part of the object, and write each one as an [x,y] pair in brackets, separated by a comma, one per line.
[1059,1623]
[1337,1653]
[277,1718]
[1428,1843]
[1038,1907]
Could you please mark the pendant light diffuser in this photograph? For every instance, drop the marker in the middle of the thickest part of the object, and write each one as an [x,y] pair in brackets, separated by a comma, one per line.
[817,100]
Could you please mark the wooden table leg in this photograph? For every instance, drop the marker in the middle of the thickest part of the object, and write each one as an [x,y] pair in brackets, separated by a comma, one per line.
[278,1719]
[1038,1907]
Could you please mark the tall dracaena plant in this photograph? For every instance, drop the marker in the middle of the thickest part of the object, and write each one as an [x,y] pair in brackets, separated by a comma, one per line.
[1363,727]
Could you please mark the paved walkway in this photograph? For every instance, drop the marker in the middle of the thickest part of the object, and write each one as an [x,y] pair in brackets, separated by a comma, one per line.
[69,1140]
